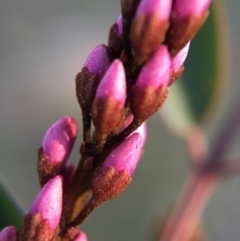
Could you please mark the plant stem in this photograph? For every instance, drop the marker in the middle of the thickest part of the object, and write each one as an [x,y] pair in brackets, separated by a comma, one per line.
[227,134]
[185,217]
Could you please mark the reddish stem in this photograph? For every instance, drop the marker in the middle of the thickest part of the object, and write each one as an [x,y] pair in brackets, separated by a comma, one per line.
[185,217]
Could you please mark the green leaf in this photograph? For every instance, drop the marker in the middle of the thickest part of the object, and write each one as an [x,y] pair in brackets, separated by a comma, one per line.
[11,212]
[196,97]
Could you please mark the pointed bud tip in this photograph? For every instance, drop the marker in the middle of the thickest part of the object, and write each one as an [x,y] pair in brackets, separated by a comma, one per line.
[98,61]
[119,24]
[126,155]
[59,139]
[156,71]
[179,59]
[49,202]
[81,236]
[9,233]
[113,83]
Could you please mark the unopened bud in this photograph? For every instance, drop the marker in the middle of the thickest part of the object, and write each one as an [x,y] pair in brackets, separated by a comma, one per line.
[56,147]
[9,233]
[43,219]
[149,27]
[88,79]
[110,98]
[98,61]
[49,202]
[150,90]
[186,19]
[115,174]
[81,236]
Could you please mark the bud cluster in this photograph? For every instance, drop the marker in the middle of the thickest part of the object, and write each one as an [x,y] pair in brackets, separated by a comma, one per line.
[119,87]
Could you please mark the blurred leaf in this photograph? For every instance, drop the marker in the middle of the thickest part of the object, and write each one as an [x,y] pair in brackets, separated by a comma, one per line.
[196,97]
[11,212]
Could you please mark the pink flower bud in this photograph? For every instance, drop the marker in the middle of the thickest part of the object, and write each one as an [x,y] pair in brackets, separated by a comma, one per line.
[160,8]
[150,90]
[114,175]
[179,59]
[81,236]
[107,107]
[98,61]
[185,8]
[125,156]
[149,26]
[9,233]
[156,71]
[59,139]
[49,202]
[113,84]
[186,19]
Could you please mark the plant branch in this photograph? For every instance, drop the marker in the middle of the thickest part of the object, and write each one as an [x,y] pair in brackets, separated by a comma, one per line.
[185,217]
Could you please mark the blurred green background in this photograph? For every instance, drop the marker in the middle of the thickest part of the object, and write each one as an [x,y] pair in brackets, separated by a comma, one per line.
[43,44]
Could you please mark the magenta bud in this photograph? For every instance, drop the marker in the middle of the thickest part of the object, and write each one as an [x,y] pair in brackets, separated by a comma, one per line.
[9,233]
[107,107]
[179,59]
[150,90]
[156,71]
[125,156]
[98,61]
[59,139]
[113,84]
[149,27]
[160,8]
[185,8]
[114,175]
[186,19]
[81,236]
[48,202]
